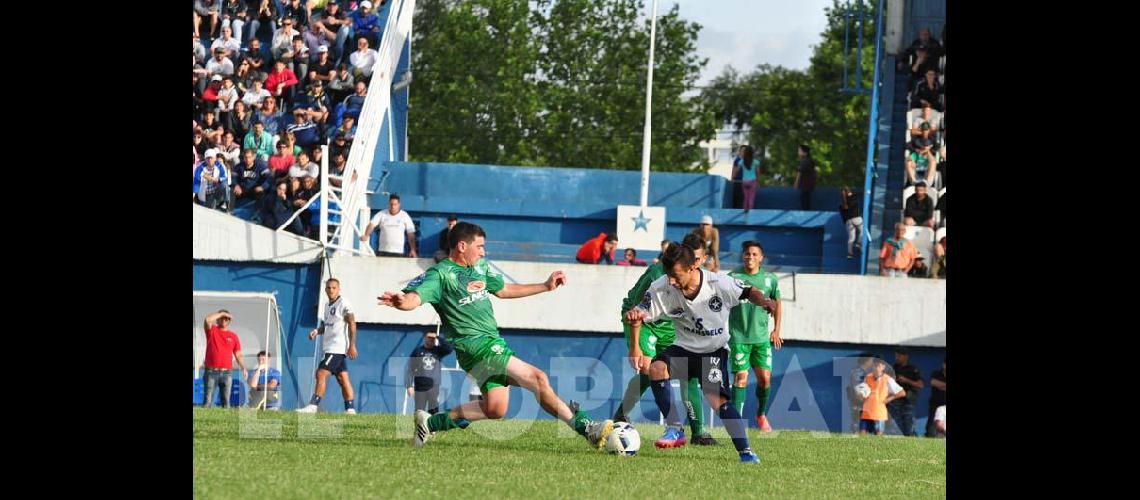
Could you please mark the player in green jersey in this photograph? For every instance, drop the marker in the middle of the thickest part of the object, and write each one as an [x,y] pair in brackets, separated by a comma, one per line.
[458,289]
[655,337]
[749,344]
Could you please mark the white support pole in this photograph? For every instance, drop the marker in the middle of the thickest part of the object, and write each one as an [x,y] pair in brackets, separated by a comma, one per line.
[648,109]
[326,187]
[264,393]
[391,133]
[277,353]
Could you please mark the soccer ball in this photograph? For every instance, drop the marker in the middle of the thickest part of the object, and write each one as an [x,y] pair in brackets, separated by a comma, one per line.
[624,440]
[863,390]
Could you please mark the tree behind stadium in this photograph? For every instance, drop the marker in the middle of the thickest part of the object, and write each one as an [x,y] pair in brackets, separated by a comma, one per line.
[785,107]
[562,85]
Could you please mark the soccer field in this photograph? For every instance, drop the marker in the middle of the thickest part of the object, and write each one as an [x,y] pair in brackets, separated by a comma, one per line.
[371,456]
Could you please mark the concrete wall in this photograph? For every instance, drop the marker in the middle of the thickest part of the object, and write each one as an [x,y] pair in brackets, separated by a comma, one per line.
[219,236]
[818,307]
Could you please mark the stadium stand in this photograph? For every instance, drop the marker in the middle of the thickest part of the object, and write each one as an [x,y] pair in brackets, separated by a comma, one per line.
[306,116]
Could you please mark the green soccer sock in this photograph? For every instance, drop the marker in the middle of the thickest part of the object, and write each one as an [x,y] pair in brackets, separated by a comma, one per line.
[579,421]
[738,395]
[762,396]
[442,422]
[633,391]
[691,395]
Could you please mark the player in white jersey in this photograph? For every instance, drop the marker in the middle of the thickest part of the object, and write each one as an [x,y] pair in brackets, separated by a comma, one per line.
[699,303]
[338,325]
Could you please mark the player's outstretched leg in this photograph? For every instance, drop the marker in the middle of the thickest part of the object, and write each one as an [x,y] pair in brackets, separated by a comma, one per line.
[633,391]
[674,435]
[534,380]
[493,405]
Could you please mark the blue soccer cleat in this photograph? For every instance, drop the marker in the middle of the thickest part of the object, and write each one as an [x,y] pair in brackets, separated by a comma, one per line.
[749,458]
[674,437]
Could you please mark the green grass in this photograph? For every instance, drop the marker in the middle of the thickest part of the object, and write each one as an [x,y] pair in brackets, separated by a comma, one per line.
[370,456]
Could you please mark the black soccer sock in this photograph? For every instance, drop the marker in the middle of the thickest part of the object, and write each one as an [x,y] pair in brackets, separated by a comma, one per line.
[664,396]
[316,400]
[735,426]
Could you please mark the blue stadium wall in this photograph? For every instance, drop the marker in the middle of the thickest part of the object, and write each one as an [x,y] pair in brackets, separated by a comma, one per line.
[557,209]
[377,373]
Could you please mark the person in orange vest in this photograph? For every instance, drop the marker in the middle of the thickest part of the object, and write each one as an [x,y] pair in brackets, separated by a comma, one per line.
[884,389]
[594,250]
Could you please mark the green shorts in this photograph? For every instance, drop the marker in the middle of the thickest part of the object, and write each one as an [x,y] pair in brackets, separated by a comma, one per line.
[652,337]
[743,356]
[485,359]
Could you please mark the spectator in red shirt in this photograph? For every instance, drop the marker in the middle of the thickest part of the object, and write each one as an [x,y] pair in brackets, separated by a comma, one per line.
[280,82]
[210,96]
[279,163]
[221,344]
[593,251]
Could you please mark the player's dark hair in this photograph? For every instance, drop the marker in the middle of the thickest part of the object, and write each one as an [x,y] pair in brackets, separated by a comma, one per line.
[332,279]
[393,196]
[223,311]
[262,353]
[611,237]
[677,254]
[466,232]
[692,241]
[632,250]
[752,243]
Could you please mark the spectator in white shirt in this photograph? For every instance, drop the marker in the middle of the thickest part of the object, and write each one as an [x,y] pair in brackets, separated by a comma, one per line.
[220,64]
[227,96]
[304,167]
[283,38]
[940,420]
[229,151]
[396,227]
[227,42]
[255,95]
[363,60]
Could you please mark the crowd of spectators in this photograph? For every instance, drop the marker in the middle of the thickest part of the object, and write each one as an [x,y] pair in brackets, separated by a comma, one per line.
[924,197]
[273,82]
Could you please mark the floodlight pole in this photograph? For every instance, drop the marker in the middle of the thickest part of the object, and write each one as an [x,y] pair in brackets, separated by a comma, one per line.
[648,109]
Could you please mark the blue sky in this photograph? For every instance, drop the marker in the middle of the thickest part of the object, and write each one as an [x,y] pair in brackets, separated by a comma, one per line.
[747,33]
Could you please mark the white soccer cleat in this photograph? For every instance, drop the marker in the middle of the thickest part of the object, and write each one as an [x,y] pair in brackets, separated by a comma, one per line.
[350,411]
[423,435]
[598,432]
[308,409]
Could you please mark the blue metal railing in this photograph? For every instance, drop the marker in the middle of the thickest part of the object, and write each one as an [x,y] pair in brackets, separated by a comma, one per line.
[871,136]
